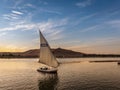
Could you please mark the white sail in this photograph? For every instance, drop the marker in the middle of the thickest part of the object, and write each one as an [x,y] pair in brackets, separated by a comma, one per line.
[46,55]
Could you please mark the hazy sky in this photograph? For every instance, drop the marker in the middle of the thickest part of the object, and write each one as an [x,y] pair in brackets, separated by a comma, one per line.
[90,26]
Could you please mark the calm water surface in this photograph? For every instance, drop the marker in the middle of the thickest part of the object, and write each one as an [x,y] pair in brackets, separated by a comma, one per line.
[21,74]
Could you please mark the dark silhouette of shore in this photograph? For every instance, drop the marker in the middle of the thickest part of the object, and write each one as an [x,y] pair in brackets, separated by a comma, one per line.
[59,53]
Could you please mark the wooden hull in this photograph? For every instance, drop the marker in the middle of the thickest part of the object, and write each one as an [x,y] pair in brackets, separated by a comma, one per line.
[47,71]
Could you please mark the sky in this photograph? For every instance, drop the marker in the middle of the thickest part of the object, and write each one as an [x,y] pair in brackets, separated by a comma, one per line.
[89,26]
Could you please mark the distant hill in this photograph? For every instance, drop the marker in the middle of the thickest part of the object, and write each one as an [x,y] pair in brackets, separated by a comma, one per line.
[31,53]
[63,53]
[59,53]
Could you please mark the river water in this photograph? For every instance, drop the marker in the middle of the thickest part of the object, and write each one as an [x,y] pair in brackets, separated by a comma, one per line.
[21,74]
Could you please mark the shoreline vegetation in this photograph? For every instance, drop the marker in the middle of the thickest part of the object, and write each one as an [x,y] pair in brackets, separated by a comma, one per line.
[59,53]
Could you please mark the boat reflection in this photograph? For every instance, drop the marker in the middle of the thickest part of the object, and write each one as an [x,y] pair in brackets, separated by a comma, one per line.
[118,63]
[49,82]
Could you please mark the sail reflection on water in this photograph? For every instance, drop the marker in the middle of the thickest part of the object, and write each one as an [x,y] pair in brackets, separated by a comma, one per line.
[49,82]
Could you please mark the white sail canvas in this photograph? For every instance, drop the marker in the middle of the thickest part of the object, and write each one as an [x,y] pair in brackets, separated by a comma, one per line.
[46,55]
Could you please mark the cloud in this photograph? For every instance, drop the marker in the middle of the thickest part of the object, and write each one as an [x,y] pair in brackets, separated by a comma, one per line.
[20,22]
[3,34]
[29,5]
[88,16]
[52,24]
[108,45]
[52,28]
[92,28]
[106,24]
[44,26]
[84,3]
[14,15]
[114,23]
[83,18]
[56,34]
[40,9]
[19,5]
[17,12]
[18,27]
[115,12]
[10,17]
[16,3]
[49,11]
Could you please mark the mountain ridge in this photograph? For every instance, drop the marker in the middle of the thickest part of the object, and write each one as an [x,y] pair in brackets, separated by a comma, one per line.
[59,53]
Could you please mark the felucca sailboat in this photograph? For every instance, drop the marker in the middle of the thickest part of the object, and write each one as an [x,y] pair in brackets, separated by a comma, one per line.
[46,57]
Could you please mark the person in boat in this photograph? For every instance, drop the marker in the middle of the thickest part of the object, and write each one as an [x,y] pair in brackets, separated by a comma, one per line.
[44,68]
